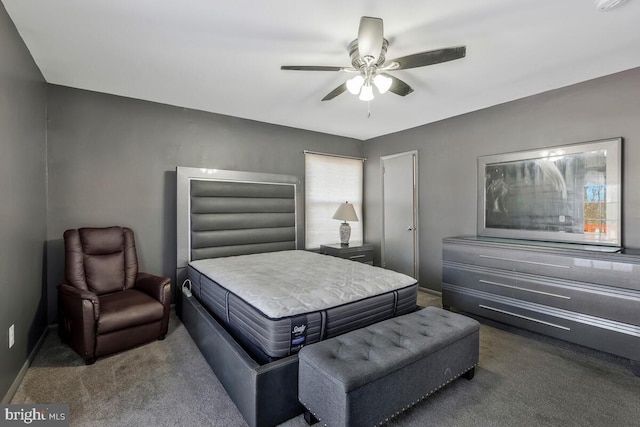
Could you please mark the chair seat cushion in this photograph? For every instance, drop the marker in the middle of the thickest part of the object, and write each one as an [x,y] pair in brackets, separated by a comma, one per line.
[124,309]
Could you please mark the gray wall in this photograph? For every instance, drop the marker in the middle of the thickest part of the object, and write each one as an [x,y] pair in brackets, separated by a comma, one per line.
[23,209]
[448,150]
[112,161]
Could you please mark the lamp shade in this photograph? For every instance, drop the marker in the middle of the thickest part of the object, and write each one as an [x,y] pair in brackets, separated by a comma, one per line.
[366,93]
[383,83]
[345,212]
[354,84]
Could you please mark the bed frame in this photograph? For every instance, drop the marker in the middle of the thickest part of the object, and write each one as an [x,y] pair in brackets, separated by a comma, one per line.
[222,213]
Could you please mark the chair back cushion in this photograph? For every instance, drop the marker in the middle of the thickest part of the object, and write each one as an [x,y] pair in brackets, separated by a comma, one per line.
[100,260]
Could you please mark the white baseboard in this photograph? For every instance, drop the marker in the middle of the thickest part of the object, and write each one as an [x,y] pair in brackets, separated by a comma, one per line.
[23,371]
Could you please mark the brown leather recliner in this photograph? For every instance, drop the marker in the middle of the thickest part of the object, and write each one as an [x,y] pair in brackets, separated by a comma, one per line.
[107,305]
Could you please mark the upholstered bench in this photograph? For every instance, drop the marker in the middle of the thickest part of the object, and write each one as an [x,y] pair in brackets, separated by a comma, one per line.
[366,376]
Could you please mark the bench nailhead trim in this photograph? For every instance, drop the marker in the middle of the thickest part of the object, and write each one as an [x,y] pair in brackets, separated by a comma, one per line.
[386,420]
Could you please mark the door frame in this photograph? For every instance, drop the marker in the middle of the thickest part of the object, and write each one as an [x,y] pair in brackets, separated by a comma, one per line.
[416,228]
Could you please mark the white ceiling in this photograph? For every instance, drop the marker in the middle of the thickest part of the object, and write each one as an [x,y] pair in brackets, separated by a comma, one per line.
[225,56]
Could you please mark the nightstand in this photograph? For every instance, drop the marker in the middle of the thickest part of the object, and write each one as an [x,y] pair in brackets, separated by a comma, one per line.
[356,251]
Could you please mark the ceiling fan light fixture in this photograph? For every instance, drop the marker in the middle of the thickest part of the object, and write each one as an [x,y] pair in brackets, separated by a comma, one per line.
[383,83]
[354,84]
[371,68]
[366,93]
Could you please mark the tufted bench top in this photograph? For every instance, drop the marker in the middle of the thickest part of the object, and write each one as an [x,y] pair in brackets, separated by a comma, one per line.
[361,356]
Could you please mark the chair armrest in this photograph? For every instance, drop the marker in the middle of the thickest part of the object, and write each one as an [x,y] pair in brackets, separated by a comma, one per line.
[81,312]
[74,301]
[156,287]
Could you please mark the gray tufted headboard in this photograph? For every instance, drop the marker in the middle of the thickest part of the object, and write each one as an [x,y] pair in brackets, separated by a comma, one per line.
[224,213]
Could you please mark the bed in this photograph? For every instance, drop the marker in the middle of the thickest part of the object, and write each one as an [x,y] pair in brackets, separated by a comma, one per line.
[239,231]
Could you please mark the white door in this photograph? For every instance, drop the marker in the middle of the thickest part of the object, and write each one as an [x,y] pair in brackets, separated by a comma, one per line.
[400,213]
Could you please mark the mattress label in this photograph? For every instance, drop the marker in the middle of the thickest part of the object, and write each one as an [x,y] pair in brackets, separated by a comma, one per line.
[298,333]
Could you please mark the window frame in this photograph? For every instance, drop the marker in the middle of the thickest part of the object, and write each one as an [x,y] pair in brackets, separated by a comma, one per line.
[319,227]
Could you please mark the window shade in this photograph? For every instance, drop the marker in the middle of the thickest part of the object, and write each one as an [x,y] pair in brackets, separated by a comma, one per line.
[330,181]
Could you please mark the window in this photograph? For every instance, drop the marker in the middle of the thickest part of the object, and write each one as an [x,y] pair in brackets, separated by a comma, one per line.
[330,181]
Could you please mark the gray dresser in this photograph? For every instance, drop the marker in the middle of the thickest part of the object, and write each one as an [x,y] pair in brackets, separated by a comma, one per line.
[581,294]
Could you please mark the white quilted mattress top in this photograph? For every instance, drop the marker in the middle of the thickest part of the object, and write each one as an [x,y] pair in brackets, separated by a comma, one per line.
[287,283]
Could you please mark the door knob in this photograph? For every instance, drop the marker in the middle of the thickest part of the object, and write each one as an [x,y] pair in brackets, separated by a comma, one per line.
[411,228]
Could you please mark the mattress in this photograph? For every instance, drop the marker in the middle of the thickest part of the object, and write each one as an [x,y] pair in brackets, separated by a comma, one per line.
[275,303]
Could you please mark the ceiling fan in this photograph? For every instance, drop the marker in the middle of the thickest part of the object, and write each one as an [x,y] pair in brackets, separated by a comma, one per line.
[368,62]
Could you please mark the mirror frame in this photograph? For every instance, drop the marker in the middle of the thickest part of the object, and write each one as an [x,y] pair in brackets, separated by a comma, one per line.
[612,236]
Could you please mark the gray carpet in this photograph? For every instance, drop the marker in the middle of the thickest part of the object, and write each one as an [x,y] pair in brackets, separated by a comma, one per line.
[524,379]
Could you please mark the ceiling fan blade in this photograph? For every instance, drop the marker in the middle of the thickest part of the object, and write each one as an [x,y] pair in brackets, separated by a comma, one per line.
[310,68]
[398,86]
[429,58]
[337,91]
[370,36]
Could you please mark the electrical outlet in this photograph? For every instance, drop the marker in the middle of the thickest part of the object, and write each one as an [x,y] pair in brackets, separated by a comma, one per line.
[12,339]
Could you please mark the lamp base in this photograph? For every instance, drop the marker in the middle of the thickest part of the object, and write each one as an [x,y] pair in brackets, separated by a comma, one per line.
[345,233]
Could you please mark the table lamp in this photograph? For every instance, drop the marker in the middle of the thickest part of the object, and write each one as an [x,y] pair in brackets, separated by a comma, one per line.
[345,213]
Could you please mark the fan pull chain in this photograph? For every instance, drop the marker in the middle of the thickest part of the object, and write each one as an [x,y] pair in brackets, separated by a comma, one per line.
[368,109]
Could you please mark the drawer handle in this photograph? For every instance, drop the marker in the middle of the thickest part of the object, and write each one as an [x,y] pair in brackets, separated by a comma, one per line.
[357,256]
[488,282]
[524,317]
[524,262]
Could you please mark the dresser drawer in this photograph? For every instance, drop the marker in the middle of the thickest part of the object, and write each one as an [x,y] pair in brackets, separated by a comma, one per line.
[366,257]
[598,300]
[548,263]
[511,260]
[602,334]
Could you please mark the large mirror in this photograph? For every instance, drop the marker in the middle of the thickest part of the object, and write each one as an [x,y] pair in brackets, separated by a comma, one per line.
[570,193]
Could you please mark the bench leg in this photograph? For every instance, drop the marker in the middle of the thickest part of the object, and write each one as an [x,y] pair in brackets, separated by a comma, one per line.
[470,373]
[310,418]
